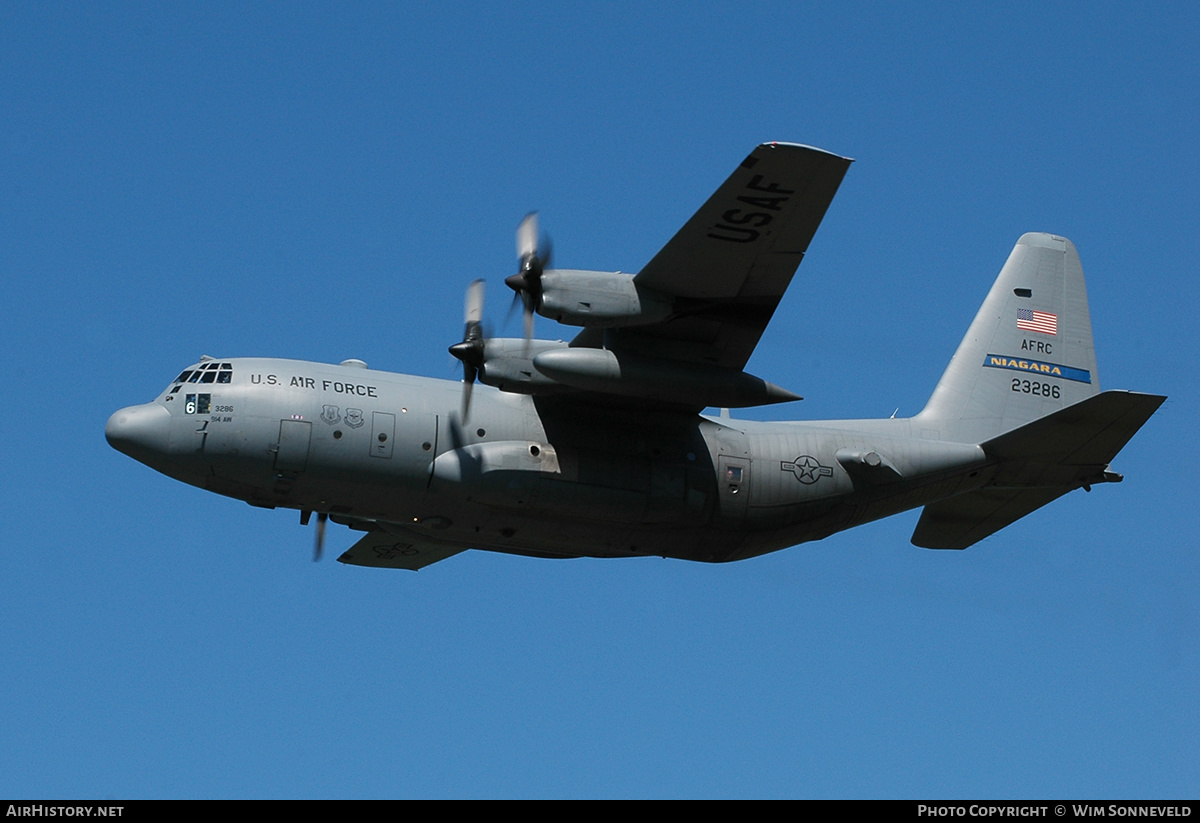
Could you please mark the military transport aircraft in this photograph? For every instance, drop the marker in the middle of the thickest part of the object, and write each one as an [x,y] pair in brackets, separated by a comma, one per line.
[597,447]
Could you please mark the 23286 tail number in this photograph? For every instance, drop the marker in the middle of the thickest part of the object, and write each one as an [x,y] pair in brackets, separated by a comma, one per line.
[1034,387]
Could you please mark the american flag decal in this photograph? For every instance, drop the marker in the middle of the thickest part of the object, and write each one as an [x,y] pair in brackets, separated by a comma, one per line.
[1039,321]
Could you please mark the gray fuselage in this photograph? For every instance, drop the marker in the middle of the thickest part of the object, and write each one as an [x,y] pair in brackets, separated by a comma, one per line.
[539,476]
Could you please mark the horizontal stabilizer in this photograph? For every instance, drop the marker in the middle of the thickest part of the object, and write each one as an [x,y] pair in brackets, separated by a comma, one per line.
[961,521]
[1039,462]
[390,551]
[1090,432]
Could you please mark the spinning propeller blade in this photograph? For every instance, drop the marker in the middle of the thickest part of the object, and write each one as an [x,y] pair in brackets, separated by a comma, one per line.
[470,350]
[319,540]
[534,260]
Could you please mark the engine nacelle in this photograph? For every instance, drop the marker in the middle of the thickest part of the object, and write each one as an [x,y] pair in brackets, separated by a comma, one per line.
[508,365]
[599,299]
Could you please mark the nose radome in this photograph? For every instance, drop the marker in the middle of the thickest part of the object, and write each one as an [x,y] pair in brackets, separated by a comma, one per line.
[140,431]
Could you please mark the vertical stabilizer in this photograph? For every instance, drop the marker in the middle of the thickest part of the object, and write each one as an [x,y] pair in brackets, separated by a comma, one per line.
[1028,353]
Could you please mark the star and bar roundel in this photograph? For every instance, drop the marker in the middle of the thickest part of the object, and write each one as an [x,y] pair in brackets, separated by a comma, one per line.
[808,469]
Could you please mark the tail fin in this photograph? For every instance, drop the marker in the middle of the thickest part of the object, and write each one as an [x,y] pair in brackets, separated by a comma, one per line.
[1028,353]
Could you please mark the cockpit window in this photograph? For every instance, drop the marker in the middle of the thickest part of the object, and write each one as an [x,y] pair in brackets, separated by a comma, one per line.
[207,373]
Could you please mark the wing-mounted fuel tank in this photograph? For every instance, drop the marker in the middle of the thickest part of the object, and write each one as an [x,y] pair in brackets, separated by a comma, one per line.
[599,299]
[669,381]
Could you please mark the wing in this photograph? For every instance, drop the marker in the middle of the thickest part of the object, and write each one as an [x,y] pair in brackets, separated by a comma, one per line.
[389,551]
[725,271]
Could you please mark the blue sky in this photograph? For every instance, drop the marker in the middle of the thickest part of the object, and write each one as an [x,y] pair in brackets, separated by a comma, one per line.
[322,181]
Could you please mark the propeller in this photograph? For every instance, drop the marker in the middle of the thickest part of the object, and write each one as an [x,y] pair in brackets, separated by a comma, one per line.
[470,350]
[319,541]
[527,282]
